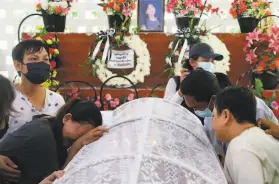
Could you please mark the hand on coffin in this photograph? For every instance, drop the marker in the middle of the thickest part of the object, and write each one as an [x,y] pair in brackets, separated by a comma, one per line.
[92,135]
[51,178]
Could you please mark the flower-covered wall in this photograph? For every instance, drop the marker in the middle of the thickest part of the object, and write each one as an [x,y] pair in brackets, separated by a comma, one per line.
[87,17]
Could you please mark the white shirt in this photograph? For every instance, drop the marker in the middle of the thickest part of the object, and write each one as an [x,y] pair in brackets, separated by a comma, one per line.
[252,158]
[171,93]
[25,110]
[263,111]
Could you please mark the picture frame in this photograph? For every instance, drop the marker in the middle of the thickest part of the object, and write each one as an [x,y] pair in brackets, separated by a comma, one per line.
[151,15]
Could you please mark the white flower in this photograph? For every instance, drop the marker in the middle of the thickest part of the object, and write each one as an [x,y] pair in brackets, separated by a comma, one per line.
[63,4]
[168,61]
[44,4]
[177,68]
[170,45]
[176,53]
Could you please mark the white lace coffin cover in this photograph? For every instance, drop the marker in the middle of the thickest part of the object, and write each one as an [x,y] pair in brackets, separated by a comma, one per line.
[152,141]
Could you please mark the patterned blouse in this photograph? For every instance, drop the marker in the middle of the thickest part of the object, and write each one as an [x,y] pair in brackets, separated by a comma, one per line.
[24,110]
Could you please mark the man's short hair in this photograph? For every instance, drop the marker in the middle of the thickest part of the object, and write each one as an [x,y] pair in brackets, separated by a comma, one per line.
[201,85]
[240,101]
[28,47]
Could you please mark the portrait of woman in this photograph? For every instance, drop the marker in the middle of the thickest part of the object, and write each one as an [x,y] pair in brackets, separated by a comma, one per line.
[151,15]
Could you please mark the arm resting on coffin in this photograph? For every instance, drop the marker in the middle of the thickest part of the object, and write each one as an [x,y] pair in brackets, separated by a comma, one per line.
[91,136]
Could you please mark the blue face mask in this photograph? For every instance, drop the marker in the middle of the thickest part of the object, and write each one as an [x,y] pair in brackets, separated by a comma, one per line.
[203,114]
[207,66]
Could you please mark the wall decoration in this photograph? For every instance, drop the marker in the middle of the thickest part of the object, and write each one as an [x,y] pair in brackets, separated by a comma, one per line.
[99,57]
[151,15]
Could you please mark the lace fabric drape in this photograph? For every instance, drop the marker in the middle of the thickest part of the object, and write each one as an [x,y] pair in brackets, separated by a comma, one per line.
[151,141]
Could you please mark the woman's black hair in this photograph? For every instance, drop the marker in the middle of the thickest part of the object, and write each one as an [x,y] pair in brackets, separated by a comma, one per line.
[82,112]
[7,96]
[146,16]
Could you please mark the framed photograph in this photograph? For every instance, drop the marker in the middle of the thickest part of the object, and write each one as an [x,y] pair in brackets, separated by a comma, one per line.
[151,15]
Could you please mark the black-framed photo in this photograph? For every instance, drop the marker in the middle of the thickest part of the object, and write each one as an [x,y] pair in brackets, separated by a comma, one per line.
[151,15]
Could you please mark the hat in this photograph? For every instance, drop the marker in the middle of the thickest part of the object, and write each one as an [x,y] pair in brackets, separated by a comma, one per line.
[204,50]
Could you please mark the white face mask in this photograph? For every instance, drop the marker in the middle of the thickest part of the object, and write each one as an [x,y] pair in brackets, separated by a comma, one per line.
[207,66]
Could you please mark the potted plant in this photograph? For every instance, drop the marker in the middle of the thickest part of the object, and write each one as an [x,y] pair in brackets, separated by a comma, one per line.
[54,13]
[262,53]
[119,12]
[189,12]
[249,12]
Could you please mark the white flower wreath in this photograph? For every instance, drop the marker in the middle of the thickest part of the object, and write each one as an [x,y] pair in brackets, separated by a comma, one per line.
[142,64]
[218,46]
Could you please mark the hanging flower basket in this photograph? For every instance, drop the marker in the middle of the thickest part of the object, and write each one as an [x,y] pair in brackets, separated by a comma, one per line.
[247,24]
[54,23]
[186,22]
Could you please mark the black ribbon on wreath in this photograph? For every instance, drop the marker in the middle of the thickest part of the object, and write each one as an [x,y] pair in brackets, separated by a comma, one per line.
[103,37]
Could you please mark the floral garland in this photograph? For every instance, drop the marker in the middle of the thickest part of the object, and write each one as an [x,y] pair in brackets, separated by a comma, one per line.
[193,36]
[142,62]
[52,41]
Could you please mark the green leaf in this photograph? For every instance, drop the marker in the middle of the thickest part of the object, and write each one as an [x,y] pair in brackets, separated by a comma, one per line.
[75,14]
[101,4]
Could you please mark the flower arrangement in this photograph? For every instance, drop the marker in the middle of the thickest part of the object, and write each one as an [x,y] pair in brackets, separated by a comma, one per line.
[120,7]
[193,36]
[262,49]
[189,8]
[250,8]
[52,41]
[56,7]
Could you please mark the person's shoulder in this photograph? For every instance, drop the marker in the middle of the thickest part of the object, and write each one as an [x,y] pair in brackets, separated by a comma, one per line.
[55,96]
[33,128]
[254,140]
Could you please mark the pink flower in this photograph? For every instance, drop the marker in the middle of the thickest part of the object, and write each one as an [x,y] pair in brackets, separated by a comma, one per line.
[196,12]
[98,98]
[246,48]
[274,32]
[184,12]
[116,101]
[65,11]
[108,97]
[112,104]
[274,45]
[131,97]
[253,36]
[274,105]
[98,103]
[251,56]
[126,12]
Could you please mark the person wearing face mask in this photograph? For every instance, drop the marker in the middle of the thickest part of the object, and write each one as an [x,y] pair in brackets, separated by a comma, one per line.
[199,89]
[47,144]
[201,56]
[31,61]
